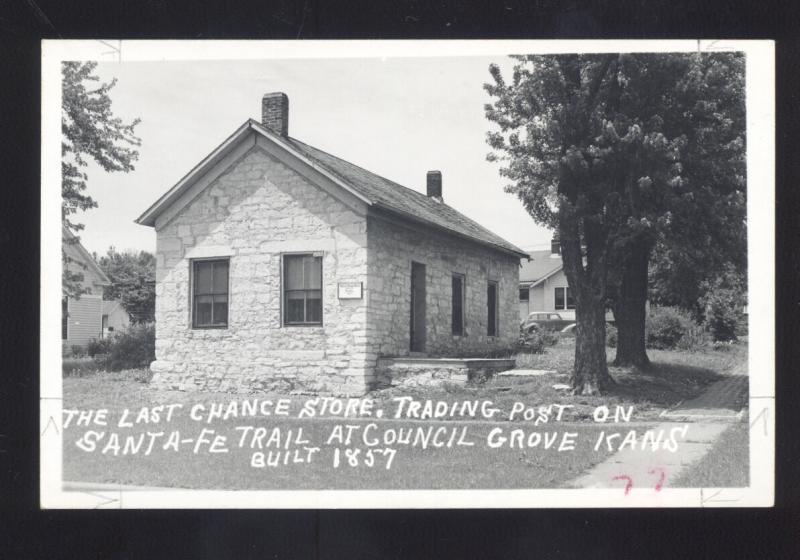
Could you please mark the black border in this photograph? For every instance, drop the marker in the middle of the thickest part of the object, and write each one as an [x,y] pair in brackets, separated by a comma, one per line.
[30,533]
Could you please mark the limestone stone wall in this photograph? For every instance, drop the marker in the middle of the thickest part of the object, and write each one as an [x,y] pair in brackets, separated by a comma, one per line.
[255,211]
[393,247]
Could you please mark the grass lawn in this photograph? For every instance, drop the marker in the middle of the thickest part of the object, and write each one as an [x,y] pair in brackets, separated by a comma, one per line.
[726,465]
[412,467]
[674,376]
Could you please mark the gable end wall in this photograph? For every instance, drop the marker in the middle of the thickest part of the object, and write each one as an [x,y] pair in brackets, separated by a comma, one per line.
[254,212]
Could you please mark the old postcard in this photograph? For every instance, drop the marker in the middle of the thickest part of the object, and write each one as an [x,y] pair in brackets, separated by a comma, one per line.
[393,274]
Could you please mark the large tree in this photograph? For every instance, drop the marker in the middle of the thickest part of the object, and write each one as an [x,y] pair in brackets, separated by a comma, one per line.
[695,220]
[132,277]
[553,123]
[90,131]
[618,153]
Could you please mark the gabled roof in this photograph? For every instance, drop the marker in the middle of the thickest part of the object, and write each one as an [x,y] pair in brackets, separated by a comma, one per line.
[75,250]
[541,266]
[372,189]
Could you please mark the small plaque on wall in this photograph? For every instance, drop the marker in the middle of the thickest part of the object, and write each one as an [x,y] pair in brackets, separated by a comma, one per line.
[350,290]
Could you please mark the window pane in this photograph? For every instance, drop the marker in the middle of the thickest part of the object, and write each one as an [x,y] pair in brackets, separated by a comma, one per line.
[202,311]
[570,299]
[524,294]
[295,307]
[293,272]
[221,277]
[559,298]
[220,310]
[203,277]
[314,307]
[312,273]
[64,319]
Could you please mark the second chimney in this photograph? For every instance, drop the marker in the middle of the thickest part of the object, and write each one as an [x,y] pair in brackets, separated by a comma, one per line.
[435,185]
[275,112]
[555,245]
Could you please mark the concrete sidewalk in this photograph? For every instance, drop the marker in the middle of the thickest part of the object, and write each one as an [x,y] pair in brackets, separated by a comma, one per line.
[706,418]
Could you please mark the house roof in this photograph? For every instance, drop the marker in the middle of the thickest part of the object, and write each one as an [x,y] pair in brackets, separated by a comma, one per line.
[77,251]
[374,190]
[541,266]
[110,306]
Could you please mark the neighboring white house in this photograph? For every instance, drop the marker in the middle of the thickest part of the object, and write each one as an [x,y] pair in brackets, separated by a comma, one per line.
[87,317]
[114,318]
[543,285]
[81,318]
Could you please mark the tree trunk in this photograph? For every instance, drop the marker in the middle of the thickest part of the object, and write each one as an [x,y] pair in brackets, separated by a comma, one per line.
[630,308]
[587,281]
[590,376]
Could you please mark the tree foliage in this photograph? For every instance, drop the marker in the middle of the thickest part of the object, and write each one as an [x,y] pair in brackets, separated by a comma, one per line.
[618,153]
[132,277]
[90,132]
[554,144]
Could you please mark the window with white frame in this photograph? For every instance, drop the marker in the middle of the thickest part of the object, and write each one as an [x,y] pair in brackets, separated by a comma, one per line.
[563,298]
[302,289]
[210,294]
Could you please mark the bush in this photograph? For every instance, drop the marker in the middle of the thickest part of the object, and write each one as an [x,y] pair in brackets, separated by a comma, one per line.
[666,326]
[133,348]
[96,347]
[722,314]
[77,351]
[611,336]
[696,337]
[535,339]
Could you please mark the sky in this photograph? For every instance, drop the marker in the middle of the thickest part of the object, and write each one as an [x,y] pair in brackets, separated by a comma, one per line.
[397,117]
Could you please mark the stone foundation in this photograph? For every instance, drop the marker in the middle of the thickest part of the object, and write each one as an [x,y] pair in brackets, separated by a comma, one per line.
[432,372]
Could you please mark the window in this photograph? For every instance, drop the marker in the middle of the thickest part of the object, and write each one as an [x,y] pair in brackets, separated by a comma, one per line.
[524,294]
[104,326]
[458,304]
[559,297]
[491,309]
[302,290]
[64,319]
[210,294]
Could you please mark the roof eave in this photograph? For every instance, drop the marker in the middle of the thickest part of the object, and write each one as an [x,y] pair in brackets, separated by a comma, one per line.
[149,216]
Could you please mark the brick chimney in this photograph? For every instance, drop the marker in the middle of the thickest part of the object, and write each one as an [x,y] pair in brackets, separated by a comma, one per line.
[275,112]
[555,246]
[435,185]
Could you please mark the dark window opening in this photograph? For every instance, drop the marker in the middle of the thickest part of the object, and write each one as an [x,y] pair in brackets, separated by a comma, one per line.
[458,305]
[491,309]
[564,298]
[64,319]
[210,294]
[302,290]
[524,294]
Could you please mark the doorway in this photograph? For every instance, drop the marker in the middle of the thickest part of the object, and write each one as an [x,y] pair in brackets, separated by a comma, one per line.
[417,307]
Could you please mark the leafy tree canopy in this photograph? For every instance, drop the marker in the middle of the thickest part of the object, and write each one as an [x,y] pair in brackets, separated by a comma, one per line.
[90,131]
[132,277]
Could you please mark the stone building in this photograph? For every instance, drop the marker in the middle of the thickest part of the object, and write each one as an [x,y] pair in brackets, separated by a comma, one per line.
[281,267]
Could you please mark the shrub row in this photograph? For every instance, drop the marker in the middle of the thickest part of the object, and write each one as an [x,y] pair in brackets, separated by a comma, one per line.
[133,348]
[668,328]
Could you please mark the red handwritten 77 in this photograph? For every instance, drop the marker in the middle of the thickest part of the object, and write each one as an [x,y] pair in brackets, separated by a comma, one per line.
[629,481]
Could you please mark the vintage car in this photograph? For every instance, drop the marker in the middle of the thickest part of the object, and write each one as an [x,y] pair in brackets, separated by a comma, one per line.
[547,320]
